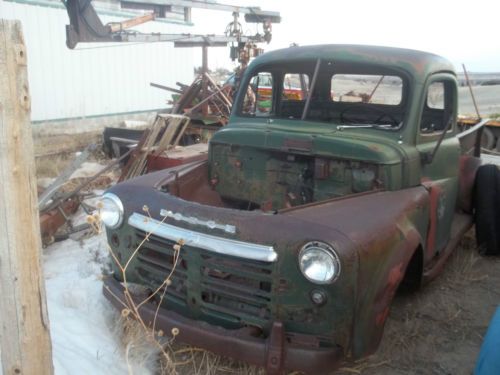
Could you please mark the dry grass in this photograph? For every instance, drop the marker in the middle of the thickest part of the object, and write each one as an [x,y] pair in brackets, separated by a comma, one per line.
[152,335]
[196,361]
[182,359]
[439,329]
[54,153]
[142,340]
[52,165]
[63,143]
[138,347]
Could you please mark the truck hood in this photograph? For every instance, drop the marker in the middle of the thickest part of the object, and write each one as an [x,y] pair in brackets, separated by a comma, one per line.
[360,145]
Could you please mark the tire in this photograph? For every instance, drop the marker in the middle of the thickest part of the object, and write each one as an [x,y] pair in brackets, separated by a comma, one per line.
[487,139]
[487,209]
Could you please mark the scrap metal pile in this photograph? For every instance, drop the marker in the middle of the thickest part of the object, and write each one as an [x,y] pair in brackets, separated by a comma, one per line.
[59,201]
[198,109]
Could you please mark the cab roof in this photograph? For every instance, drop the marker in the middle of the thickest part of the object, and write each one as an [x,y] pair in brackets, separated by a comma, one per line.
[416,63]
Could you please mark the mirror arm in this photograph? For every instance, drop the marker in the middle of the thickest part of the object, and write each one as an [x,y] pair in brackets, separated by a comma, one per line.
[428,158]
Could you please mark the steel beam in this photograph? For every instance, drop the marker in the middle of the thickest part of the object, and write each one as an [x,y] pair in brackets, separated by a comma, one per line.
[260,14]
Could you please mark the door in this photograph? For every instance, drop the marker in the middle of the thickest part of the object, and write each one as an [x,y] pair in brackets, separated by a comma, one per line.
[439,175]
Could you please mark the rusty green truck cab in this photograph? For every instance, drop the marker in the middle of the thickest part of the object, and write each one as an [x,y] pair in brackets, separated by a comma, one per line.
[310,212]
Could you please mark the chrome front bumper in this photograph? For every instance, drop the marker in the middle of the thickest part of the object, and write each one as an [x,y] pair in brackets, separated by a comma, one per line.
[204,241]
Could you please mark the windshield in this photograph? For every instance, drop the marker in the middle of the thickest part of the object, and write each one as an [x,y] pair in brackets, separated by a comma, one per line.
[343,95]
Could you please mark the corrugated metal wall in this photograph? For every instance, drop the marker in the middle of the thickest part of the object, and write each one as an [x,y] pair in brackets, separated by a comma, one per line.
[94,79]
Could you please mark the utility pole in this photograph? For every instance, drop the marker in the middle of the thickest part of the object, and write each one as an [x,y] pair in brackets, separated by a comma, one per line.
[24,325]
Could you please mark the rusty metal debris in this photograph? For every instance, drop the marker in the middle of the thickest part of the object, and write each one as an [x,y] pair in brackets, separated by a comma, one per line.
[52,189]
[52,220]
[490,139]
[86,26]
[164,134]
[57,206]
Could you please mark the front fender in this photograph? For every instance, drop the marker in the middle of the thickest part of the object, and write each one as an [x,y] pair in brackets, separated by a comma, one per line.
[386,228]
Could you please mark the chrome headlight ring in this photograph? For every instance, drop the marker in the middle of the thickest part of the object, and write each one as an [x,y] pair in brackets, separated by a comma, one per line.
[319,263]
[111,210]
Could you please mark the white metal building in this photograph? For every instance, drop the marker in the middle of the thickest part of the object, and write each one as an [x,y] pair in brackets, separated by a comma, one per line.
[95,80]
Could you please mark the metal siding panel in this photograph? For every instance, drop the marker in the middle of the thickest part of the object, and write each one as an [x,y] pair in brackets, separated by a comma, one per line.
[95,79]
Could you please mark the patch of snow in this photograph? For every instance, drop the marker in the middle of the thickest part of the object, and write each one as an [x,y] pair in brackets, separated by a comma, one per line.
[85,336]
[80,216]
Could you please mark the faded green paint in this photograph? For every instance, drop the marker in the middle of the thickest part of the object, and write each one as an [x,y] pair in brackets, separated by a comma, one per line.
[419,65]
[369,193]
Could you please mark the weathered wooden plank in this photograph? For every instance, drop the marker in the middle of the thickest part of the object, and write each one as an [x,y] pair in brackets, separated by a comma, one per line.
[24,335]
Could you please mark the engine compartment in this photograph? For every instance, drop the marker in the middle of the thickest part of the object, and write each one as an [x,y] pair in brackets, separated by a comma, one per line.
[252,178]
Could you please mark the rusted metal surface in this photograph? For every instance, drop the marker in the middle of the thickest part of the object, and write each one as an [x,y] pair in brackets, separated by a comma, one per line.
[177,156]
[468,169]
[203,99]
[275,353]
[51,221]
[390,202]
[468,121]
[470,90]
[50,191]
[115,27]
[74,193]
[332,219]
[164,134]
[86,26]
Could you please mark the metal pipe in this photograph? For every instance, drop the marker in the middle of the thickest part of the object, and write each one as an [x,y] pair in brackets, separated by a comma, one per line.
[216,87]
[471,92]
[75,191]
[158,86]
[375,89]
[120,26]
[203,102]
[311,90]
[204,81]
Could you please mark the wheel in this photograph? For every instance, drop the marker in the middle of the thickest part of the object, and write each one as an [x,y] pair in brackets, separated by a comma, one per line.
[487,209]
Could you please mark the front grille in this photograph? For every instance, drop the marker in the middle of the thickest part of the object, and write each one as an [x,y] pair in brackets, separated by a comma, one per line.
[219,287]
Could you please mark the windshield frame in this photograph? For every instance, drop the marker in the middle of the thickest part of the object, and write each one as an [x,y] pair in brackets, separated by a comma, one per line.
[328,69]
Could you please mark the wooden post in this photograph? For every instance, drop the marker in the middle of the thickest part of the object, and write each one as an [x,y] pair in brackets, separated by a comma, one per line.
[24,336]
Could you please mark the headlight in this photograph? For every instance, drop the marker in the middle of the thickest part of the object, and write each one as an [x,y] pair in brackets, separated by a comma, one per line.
[111,210]
[319,263]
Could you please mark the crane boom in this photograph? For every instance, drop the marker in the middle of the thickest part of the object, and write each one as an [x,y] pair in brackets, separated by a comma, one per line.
[86,26]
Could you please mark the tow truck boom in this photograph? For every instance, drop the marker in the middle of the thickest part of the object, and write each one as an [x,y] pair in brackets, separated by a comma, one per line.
[86,26]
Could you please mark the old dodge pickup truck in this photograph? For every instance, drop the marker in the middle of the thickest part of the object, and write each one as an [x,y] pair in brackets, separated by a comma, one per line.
[286,247]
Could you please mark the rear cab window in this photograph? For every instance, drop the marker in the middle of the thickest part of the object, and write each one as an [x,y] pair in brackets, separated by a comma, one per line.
[375,89]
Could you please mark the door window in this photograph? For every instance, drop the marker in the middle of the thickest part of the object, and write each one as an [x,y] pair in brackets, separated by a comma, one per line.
[438,108]
[258,99]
